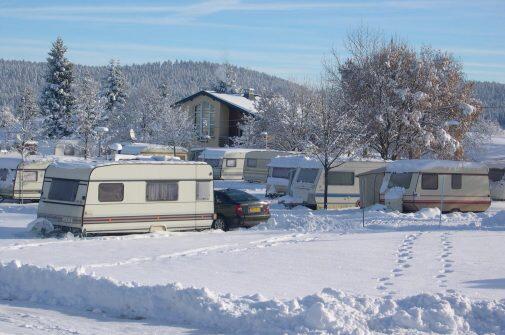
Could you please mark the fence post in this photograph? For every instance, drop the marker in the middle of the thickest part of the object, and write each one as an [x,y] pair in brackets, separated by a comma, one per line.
[441,200]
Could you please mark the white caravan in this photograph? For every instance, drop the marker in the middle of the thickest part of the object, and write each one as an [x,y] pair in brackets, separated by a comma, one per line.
[281,171]
[22,180]
[128,196]
[307,187]
[256,164]
[227,163]
[410,185]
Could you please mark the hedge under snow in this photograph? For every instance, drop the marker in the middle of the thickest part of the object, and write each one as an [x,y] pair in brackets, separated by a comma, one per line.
[327,312]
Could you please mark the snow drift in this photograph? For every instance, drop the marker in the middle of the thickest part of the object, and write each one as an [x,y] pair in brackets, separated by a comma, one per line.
[327,312]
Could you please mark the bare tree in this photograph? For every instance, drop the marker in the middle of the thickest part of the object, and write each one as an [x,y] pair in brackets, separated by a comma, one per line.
[7,120]
[334,136]
[89,116]
[26,113]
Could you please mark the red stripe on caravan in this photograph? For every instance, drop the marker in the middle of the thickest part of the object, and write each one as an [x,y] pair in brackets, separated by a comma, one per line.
[131,219]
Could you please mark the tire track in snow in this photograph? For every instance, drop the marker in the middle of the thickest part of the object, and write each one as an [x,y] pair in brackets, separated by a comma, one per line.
[404,255]
[446,262]
[223,248]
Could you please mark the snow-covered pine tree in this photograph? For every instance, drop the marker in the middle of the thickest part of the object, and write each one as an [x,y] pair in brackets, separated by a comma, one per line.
[7,120]
[175,126]
[89,113]
[26,113]
[116,94]
[57,100]
[226,80]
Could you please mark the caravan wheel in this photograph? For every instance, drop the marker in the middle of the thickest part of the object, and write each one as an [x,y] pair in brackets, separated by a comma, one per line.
[219,223]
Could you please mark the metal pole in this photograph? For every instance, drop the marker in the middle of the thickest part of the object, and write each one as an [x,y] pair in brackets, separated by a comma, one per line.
[441,199]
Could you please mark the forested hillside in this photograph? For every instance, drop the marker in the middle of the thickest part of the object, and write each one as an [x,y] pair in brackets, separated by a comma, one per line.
[181,77]
[492,96]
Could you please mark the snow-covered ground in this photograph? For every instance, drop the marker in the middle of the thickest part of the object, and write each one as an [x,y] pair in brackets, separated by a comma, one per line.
[302,272]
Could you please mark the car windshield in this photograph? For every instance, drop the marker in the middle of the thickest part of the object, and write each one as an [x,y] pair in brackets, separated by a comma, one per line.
[400,180]
[239,196]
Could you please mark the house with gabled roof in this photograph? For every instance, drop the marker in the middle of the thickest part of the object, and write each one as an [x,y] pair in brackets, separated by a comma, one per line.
[218,115]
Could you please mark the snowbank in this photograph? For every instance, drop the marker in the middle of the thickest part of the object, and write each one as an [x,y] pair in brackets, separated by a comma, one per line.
[328,311]
[302,219]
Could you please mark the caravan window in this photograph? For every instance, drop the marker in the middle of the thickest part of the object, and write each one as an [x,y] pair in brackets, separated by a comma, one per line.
[496,174]
[213,162]
[456,181]
[429,181]
[110,192]
[400,180]
[231,162]
[29,175]
[307,175]
[3,174]
[63,189]
[280,172]
[340,178]
[203,190]
[252,162]
[162,191]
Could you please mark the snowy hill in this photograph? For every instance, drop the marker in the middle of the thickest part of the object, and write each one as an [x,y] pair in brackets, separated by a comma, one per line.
[182,77]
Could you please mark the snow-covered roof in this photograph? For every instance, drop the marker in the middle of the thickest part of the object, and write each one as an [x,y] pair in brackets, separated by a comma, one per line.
[91,164]
[294,161]
[436,166]
[218,153]
[237,100]
[12,161]
[138,148]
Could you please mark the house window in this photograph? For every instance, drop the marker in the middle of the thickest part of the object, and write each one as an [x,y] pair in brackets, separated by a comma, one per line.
[252,162]
[231,162]
[307,175]
[456,181]
[29,175]
[162,191]
[203,190]
[429,181]
[341,178]
[205,119]
[110,192]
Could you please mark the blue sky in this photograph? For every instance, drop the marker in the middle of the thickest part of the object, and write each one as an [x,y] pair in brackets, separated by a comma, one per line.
[284,38]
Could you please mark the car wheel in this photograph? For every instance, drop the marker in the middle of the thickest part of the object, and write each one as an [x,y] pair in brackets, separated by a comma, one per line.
[219,223]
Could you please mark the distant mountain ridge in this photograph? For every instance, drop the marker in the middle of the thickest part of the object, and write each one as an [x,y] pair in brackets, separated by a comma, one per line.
[186,77]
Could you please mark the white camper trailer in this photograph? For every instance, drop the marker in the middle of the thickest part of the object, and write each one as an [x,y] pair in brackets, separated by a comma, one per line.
[227,163]
[128,196]
[256,164]
[496,179]
[22,180]
[281,171]
[410,185]
[307,187]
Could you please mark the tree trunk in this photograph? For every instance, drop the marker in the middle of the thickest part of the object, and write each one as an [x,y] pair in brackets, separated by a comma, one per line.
[326,170]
